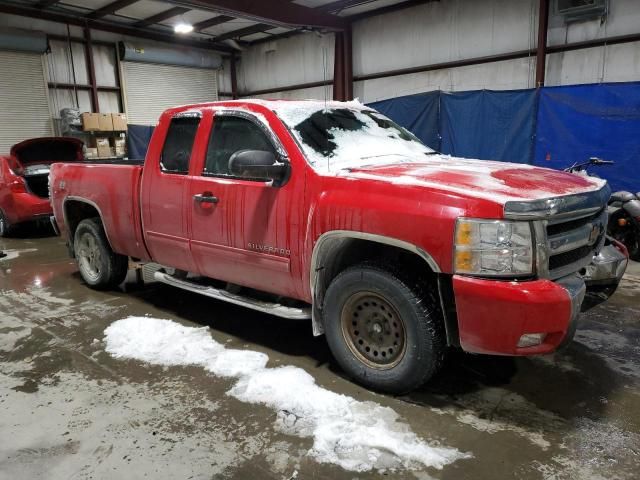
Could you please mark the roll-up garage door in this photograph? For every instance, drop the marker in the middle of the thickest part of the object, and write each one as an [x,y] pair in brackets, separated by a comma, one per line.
[24,108]
[151,88]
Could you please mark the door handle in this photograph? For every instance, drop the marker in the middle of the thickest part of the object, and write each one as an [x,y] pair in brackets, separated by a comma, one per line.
[206,197]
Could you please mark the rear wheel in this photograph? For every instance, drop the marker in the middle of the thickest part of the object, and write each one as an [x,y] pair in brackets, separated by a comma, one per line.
[5,227]
[101,268]
[383,328]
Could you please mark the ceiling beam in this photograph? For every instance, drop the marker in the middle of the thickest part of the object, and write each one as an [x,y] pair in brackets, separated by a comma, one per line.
[111,8]
[60,17]
[211,22]
[46,3]
[161,17]
[281,13]
[243,32]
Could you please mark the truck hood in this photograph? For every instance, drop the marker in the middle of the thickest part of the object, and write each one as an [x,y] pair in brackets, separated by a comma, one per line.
[495,181]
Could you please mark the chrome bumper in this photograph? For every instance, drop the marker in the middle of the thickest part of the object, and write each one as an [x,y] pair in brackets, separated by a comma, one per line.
[576,289]
[607,268]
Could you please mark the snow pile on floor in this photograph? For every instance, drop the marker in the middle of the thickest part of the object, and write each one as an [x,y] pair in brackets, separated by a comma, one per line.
[358,436]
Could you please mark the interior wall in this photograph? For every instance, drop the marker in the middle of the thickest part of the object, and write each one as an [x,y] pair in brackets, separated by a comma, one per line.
[445,31]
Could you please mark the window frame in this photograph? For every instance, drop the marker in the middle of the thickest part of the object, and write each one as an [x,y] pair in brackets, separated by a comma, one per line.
[177,116]
[280,152]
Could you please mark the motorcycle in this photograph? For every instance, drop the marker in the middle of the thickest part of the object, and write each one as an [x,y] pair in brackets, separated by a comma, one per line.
[623,209]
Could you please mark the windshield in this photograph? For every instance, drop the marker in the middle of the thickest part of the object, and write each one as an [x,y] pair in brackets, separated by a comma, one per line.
[339,138]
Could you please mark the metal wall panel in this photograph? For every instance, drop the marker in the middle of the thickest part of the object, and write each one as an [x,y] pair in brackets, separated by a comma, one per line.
[150,89]
[24,108]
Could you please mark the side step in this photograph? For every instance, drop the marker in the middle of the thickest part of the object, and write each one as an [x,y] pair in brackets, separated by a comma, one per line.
[293,313]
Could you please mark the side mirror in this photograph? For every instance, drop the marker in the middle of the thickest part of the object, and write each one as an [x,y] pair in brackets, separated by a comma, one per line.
[259,164]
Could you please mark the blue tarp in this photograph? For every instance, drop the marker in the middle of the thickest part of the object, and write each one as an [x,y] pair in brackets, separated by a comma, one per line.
[138,141]
[477,124]
[490,125]
[417,113]
[581,121]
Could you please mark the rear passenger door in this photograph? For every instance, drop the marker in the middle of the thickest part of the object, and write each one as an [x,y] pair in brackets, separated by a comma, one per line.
[165,218]
[240,231]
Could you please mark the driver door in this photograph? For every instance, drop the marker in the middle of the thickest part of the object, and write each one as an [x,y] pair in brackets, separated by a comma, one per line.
[240,229]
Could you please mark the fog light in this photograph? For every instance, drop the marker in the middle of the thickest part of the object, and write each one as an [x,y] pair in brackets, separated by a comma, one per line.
[622,222]
[531,339]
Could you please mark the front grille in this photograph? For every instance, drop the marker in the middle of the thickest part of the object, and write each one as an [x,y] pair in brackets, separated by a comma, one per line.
[571,244]
[38,185]
[567,258]
[564,227]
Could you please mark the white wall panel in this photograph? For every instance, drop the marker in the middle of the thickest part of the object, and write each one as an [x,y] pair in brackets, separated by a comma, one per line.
[441,32]
[317,93]
[613,63]
[64,98]
[61,68]
[104,63]
[505,75]
[289,61]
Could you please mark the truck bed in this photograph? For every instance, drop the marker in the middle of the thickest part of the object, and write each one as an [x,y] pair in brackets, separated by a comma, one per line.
[113,189]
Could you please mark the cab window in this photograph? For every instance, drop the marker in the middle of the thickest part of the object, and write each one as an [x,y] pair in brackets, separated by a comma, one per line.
[176,152]
[229,135]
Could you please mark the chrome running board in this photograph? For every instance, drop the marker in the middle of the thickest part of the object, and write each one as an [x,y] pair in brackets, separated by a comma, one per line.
[293,313]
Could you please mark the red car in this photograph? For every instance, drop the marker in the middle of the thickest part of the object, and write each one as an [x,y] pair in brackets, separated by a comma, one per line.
[24,178]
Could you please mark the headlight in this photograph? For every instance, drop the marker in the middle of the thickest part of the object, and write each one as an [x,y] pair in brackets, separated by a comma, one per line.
[493,248]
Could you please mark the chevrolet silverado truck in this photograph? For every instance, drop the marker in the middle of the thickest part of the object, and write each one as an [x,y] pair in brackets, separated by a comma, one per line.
[331,212]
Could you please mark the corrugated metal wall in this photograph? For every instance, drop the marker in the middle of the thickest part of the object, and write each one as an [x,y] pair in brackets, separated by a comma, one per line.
[150,89]
[24,109]
[451,30]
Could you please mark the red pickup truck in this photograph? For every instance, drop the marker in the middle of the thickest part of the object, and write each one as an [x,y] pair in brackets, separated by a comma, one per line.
[330,211]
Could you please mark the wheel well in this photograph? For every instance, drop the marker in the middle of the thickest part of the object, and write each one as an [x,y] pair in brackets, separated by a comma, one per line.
[337,253]
[74,212]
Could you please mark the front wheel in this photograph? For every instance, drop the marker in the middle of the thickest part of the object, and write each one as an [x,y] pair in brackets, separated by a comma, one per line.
[384,329]
[101,268]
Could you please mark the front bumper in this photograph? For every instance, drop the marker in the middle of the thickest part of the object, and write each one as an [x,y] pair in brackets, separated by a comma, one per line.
[493,315]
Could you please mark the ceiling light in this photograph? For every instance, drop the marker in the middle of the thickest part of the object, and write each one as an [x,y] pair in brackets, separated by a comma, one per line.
[183,27]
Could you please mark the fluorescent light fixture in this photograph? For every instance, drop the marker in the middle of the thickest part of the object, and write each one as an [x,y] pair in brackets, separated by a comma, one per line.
[183,27]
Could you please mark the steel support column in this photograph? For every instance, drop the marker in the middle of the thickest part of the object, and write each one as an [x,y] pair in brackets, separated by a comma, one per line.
[541,52]
[233,75]
[343,66]
[91,70]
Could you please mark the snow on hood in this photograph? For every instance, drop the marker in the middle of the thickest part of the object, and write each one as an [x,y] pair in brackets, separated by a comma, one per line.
[370,146]
[495,181]
[357,436]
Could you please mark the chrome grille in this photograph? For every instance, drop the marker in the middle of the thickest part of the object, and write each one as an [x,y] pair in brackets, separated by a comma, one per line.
[572,243]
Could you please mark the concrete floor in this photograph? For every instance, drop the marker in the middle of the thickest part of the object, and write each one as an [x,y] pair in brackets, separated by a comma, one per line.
[69,410]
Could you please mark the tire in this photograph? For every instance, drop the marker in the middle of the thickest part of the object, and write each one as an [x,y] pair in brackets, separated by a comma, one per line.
[385,330]
[101,268]
[5,227]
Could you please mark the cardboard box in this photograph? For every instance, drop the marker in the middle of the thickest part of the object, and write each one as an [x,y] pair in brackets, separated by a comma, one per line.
[119,145]
[91,152]
[104,150]
[90,121]
[119,122]
[105,121]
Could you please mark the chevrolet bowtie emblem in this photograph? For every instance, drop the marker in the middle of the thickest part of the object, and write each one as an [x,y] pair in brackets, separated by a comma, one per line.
[595,233]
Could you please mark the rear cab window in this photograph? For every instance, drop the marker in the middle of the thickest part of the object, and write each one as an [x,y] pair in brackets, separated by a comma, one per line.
[176,152]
